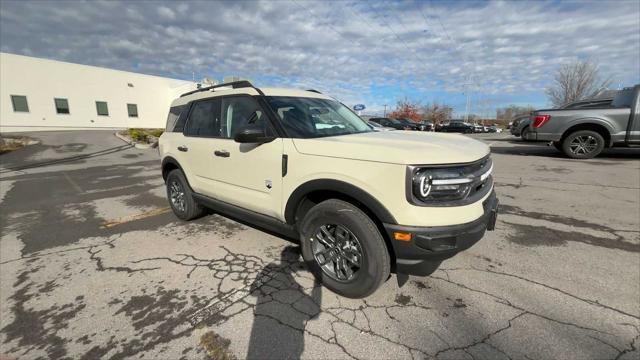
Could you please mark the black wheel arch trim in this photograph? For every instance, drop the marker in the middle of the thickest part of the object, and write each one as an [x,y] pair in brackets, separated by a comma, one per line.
[171,160]
[341,187]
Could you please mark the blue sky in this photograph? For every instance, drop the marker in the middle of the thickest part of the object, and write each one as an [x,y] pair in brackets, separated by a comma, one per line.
[500,52]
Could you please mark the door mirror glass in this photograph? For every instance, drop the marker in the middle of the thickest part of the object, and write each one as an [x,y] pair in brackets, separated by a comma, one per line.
[252,134]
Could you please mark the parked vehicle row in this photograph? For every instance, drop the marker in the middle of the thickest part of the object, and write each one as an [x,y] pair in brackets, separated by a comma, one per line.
[384,124]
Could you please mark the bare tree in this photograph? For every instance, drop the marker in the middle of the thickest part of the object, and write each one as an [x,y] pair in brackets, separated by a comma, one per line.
[436,112]
[576,81]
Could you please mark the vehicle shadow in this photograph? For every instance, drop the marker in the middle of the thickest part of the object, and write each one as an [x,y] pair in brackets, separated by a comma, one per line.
[282,309]
[541,149]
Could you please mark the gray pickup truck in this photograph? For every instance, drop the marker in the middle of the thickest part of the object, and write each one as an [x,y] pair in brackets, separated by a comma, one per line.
[584,133]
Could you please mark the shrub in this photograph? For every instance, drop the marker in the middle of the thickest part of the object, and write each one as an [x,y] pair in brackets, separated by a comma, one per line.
[137,135]
[156,132]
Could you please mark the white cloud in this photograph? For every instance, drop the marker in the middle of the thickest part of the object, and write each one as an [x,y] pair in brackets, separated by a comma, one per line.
[348,49]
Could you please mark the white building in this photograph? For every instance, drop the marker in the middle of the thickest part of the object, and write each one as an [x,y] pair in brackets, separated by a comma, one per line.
[39,94]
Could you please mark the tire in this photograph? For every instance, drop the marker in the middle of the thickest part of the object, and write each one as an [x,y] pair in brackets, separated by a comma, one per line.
[188,208]
[343,221]
[583,144]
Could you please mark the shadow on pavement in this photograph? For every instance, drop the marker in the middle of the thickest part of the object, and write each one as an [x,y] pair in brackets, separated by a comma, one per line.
[281,300]
[39,148]
[541,149]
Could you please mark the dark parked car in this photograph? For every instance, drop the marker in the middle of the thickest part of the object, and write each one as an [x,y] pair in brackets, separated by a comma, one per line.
[458,127]
[411,125]
[392,123]
[425,125]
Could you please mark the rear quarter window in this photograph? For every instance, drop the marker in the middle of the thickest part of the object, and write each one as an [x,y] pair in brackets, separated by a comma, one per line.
[623,99]
[173,125]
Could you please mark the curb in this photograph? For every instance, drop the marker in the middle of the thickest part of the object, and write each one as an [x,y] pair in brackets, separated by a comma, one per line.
[140,146]
[123,138]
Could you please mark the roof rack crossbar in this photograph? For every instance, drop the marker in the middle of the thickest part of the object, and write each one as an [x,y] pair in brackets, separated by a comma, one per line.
[233,85]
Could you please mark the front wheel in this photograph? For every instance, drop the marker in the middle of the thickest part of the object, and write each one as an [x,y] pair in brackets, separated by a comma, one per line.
[344,249]
[180,197]
[583,144]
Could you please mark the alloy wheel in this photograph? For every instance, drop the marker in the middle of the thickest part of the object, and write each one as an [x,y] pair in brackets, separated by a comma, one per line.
[338,252]
[584,144]
[176,192]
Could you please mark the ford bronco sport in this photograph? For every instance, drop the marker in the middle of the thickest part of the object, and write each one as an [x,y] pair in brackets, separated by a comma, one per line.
[300,163]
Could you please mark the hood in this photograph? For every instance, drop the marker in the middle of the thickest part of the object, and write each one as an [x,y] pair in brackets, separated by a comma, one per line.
[397,147]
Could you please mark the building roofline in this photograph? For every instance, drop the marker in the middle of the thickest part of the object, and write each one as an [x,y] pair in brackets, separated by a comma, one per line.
[2,53]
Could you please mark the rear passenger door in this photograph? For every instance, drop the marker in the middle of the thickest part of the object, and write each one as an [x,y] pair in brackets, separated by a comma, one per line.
[200,131]
[246,175]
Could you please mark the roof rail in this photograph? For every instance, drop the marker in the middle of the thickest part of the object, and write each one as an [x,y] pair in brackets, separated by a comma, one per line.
[233,85]
[314,90]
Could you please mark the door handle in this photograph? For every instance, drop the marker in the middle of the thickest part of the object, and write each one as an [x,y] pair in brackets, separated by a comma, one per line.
[183,148]
[221,153]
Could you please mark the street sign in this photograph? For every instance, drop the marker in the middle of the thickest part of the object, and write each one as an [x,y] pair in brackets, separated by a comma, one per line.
[358,107]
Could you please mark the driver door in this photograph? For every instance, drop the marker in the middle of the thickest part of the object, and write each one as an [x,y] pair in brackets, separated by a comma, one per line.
[247,175]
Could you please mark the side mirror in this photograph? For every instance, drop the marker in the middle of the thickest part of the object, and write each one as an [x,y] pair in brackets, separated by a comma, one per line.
[252,134]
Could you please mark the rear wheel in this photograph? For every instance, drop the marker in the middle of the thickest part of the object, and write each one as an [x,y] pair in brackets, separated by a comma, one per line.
[344,249]
[181,198]
[583,144]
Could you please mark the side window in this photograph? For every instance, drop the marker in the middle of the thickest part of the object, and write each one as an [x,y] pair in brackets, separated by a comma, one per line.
[62,105]
[172,119]
[623,99]
[132,110]
[237,112]
[19,103]
[204,119]
[102,108]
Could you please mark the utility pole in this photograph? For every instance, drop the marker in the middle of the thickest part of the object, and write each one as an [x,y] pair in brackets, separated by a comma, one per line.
[466,111]
[385,111]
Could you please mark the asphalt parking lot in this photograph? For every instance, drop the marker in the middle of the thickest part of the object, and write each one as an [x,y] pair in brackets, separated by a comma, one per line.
[94,265]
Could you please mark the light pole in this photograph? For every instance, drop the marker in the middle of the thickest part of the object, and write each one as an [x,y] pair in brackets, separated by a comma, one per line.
[385,111]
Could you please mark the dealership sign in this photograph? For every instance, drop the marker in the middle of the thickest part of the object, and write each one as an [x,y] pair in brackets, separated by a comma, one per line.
[358,107]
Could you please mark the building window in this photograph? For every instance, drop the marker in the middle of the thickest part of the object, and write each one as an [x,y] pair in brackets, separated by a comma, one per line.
[19,103]
[132,109]
[62,106]
[102,108]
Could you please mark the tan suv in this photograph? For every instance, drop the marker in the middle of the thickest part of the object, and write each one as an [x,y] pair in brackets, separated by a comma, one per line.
[363,203]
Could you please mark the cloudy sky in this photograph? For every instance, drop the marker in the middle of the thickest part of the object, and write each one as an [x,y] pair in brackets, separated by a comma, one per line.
[361,52]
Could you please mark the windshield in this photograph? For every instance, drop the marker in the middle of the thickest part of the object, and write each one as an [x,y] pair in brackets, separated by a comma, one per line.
[313,117]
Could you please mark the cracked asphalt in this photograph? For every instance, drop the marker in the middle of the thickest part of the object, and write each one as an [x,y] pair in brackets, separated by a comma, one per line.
[94,265]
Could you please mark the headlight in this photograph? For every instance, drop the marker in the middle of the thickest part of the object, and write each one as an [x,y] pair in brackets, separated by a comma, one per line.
[449,185]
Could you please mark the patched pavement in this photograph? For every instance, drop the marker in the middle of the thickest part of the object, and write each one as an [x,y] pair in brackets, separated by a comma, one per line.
[94,265]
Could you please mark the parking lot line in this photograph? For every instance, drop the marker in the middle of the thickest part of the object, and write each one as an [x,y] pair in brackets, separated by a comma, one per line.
[131,218]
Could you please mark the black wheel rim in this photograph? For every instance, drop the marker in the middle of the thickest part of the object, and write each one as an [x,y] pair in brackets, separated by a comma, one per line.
[176,195]
[583,145]
[337,251]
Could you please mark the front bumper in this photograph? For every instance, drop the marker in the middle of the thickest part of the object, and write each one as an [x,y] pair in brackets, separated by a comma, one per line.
[429,245]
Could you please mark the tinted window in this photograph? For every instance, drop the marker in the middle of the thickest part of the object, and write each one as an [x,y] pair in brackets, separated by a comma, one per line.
[19,103]
[62,106]
[172,119]
[204,119]
[132,110]
[238,112]
[623,99]
[102,108]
